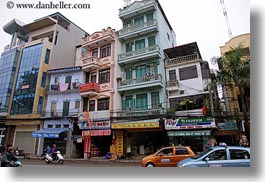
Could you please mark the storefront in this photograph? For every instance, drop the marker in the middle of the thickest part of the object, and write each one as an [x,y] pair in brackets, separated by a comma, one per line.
[144,137]
[228,133]
[57,132]
[96,132]
[193,132]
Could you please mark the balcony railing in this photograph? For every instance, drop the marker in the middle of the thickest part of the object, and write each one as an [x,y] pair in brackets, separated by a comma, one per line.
[135,28]
[135,53]
[89,87]
[91,61]
[62,87]
[143,79]
[182,59]
[141,6]
[137,113]
[173,83]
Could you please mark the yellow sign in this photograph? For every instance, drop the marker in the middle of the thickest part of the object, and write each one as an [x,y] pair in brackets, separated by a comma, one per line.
[119,144]
[135,125]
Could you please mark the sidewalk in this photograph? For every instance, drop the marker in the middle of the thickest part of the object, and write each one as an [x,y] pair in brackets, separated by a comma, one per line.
[134,159]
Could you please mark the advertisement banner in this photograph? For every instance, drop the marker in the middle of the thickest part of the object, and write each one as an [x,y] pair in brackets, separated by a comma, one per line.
[135,125]
[189,123]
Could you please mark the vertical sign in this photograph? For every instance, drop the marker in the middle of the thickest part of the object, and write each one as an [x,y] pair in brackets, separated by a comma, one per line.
[119,143]
[87,144]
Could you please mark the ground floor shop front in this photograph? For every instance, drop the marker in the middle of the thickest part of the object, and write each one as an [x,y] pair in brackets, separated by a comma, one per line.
[137,137]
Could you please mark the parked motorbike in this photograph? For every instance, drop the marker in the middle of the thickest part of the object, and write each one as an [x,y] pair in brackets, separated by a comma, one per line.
[49,159]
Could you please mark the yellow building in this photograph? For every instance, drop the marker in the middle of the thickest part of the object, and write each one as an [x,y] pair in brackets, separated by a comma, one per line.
[232,95]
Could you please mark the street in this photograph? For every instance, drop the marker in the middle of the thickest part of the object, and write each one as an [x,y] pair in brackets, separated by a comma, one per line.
[78,163]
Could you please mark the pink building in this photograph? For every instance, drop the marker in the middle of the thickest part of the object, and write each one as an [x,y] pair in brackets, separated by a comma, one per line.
[97,92]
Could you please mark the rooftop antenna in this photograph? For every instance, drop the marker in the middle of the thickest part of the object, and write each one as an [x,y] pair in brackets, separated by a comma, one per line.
[127,2]
[226,19]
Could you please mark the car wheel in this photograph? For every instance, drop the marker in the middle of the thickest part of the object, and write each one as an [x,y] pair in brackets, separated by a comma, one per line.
[150,165]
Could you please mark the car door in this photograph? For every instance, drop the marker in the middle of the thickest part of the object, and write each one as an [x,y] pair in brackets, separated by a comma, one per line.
[217,158]
[165,158]
[239,158]
[180,154]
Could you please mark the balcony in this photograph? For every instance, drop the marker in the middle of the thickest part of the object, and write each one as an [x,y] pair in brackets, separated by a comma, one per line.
[90,62]
[136,8]
[140,83]
[89,89]
[138,30]
[145,53]
[58,88]
[139,113]
[172,85]
[181,59]
[99,38]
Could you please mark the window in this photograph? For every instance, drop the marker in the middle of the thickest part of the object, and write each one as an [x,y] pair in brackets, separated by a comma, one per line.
[66,125]
[155,99]
[139,20]
[151,41]
[103,104]
[141,101]
[168,37]
[47,56]
[139,44]
[57,126]
[181,151]
[68,79]
[188,72]
[218,155]
[129,47]
[40,105]
[43,81]
[95,53]
[149,16]
[104,76]
[66,108]
[239,154]
[128,73]
[49,126]
[168,152]
[85,105]
[94,77]
[128,103]
[77,104]
[92,105]
[105,51]
[53,108]
[172,75]
[56,80]
[87,77]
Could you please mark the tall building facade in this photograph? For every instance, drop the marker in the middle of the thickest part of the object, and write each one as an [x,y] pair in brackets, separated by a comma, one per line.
[49,43]
[188,80]
[98,91]
[141,77]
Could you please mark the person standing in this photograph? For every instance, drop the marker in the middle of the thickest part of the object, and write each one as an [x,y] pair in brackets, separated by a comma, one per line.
[129,151]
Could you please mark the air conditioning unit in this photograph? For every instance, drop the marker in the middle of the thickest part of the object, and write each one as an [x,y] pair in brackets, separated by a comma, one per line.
[181,92]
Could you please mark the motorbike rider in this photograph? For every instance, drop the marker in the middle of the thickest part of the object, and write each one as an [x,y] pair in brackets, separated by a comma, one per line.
[54,152]
[9,159]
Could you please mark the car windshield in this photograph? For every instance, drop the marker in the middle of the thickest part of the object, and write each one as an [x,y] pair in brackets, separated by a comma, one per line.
[202,154]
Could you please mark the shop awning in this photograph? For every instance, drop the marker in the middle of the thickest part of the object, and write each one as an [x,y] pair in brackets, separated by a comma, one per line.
[49,132]
[189,133]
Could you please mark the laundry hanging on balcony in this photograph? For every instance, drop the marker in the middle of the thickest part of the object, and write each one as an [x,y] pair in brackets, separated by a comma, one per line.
[63,86]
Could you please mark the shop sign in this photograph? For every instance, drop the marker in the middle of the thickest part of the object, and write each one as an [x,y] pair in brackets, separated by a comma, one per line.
[94,120]
[189,123]
[227,126]
[135,125]
[119,143]
[100,132]
[189,133]
[87,144]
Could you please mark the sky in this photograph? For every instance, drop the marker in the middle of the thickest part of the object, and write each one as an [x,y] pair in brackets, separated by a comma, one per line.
[192,20]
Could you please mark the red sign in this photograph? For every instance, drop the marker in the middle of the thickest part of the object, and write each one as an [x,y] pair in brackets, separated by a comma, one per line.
[89,87]
[100,132]
[87,144]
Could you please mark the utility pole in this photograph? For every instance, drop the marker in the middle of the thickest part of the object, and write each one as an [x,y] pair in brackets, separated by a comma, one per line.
[226,18]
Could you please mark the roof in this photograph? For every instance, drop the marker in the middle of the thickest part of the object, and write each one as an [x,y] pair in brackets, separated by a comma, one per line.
[183,50]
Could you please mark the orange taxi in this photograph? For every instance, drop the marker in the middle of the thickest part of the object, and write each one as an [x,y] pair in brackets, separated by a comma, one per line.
[168,156]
